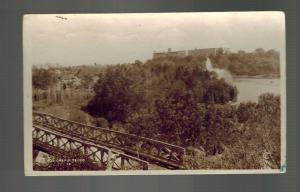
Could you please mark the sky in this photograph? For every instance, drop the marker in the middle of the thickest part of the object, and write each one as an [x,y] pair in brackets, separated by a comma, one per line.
[85,39]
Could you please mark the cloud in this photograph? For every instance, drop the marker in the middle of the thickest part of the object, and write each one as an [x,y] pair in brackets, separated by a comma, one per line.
[120,38]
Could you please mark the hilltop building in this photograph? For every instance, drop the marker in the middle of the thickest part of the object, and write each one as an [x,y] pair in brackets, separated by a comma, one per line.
[193,52]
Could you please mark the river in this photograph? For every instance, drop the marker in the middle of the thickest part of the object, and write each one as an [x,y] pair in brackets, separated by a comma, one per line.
[250,88]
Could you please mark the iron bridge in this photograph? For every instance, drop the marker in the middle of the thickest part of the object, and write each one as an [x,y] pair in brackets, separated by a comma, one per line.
[108,148]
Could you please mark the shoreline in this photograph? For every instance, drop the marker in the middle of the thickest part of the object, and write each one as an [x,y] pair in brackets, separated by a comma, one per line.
[256,77]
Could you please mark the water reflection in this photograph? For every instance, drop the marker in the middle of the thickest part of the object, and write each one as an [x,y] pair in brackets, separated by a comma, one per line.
[249,88]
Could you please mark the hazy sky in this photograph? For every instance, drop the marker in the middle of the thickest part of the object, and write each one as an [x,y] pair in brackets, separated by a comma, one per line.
[121,38]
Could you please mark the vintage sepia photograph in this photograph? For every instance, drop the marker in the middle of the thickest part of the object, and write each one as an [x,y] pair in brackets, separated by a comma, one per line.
[154,93]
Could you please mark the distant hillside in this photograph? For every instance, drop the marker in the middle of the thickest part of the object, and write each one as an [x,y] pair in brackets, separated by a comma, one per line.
[256,63]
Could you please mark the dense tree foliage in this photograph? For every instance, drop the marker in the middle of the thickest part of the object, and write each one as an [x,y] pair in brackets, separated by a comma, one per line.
[183,121]
[172,99]
[123,89]
[259,62]
[117,93]
[253,141]
[42,78]
[177,100]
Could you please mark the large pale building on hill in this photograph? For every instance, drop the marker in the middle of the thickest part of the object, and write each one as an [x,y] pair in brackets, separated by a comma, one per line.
[193,52]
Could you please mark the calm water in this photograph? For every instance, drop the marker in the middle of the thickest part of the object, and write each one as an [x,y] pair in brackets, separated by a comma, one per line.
[250,89]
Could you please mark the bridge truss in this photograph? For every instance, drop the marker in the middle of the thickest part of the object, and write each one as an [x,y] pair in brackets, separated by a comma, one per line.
[64,146]
[152,151]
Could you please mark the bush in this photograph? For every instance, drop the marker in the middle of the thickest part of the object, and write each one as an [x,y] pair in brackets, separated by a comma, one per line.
[101,122]
[245,111]
[78,116]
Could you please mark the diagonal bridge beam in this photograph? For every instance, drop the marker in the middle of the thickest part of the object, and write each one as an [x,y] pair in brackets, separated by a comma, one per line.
[153,151]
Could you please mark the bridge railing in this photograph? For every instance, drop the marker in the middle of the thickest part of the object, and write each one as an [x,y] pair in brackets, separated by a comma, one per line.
[141,147]
[61,145]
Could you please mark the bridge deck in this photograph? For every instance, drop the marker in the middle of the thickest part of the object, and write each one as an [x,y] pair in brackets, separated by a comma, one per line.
[65,146]
[153,151]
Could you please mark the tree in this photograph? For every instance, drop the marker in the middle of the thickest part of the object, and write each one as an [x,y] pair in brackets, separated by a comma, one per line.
[245,111]
[87,80]
[179,119]
[116,94]
[42,78]
[259,51]
[258,62]
[144,122]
